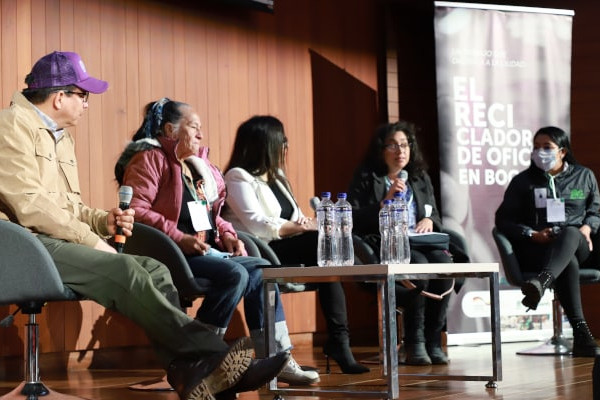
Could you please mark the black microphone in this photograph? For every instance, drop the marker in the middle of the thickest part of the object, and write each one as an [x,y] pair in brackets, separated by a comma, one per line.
[403,175]
[125,195]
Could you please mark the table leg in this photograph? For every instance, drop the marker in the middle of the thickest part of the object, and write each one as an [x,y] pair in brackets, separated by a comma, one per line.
[383,328]
[495,325]
[269,315]
[390,336]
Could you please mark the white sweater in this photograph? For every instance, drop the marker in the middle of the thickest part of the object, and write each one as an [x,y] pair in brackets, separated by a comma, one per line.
[253,207]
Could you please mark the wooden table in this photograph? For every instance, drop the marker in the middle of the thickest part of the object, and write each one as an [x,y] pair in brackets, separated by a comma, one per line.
[385,276]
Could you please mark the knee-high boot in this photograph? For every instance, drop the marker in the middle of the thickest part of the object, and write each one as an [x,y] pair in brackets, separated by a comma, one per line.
[414,337]
[435,320]
[337,347]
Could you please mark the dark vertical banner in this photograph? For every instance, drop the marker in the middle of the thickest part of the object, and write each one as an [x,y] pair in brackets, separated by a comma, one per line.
[502,73]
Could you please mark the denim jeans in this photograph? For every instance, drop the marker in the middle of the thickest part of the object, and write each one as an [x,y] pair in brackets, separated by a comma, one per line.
[233,278]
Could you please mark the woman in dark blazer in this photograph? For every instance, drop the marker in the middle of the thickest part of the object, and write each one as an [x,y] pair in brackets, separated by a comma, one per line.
[394,149]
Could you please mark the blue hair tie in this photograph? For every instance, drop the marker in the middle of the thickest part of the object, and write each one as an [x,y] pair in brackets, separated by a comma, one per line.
[154,118]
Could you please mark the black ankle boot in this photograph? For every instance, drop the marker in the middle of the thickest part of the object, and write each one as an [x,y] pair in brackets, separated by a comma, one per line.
[533,289]
[584,344]
[342,354]
[416,354]
[436,354]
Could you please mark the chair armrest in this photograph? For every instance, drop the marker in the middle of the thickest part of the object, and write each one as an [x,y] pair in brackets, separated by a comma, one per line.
[151,242]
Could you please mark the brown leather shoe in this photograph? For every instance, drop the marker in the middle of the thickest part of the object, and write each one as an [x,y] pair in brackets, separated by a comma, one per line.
[201,379]
[258,374]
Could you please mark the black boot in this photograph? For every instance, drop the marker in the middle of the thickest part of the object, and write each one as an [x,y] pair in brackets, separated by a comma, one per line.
[436,354]
[414,337]
[435,320]
[533,289]
[342,354]
[584,344]
[416,354]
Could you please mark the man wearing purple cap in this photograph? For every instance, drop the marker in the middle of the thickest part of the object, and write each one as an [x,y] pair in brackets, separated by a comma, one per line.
[39,189]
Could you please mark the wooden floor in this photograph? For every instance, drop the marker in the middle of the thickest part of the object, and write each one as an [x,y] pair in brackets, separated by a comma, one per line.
[524,378]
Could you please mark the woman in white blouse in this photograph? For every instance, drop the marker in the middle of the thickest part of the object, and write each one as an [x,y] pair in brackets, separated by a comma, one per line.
[260,201]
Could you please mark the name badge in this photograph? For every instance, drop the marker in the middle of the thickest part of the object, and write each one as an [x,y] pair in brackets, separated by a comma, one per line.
[199,215]
[555,210]
[540,197]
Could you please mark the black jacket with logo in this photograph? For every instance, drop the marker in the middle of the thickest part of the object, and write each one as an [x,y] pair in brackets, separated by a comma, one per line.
[578,187]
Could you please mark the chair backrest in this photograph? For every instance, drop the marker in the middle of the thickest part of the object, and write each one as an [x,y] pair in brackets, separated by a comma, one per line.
[257,247]
[363,252]
[151,242]
[28,273]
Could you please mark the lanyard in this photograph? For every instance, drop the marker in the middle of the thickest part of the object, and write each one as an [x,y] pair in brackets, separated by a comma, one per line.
[189,187]
[552,185]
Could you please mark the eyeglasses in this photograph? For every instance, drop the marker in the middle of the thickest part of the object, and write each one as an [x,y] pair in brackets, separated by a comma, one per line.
[82,95]
[395,146]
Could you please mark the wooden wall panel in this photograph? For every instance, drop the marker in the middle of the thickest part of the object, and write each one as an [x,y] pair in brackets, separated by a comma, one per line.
[8,31]
[227,61]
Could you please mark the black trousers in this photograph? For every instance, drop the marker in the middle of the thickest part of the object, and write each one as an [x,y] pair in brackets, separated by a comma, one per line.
[302,249]
[424,317]
[562,258]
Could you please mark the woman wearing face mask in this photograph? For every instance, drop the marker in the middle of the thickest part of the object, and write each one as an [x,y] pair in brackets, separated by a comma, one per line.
[550,213]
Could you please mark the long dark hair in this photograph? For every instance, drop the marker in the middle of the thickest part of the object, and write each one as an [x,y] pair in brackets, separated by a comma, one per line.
[374,158]
[156,115]
[561,138]
[259,148]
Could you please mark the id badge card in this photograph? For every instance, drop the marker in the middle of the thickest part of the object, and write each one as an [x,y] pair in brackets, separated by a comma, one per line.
[199,215]
[555,210]
[540,197]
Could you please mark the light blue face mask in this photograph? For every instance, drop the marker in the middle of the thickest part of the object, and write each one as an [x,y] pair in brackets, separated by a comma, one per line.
[544,159]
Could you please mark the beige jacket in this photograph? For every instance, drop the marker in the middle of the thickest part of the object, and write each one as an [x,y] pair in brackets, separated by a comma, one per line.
[39,185]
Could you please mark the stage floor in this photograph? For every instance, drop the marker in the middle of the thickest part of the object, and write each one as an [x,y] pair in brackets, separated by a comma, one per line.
[524,378]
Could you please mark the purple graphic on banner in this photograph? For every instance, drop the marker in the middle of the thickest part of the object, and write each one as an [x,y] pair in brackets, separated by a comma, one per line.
[502,73]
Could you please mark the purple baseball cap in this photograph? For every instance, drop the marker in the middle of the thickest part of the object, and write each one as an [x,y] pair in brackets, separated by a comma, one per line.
[63,68]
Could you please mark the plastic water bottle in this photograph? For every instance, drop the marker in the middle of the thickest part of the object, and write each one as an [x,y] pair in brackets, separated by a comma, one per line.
[396,243]
[402,217]
[326,247]
[384,232]
[343,229]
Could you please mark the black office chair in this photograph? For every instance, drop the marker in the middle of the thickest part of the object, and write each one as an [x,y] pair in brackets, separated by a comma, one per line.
[29,280]
[557,344]
[258,248]
[151,242]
